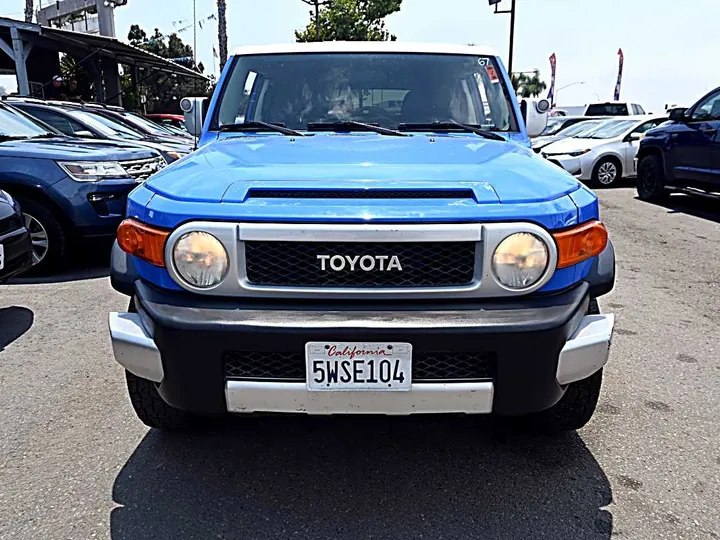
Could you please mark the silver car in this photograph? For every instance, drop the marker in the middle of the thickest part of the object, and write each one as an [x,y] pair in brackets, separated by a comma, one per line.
[605,153]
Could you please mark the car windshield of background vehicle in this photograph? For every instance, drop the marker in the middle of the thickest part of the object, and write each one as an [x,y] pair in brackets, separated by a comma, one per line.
[609,129]
[607,109]
[146,125]
[578,129]
[104,126]
[382,89]
[553,126]
[14,124]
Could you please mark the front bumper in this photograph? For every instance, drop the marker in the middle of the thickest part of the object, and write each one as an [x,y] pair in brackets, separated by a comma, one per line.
[539,345]
[17,253]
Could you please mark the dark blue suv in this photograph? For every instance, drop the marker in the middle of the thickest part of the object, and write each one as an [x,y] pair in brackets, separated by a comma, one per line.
[68,188]
[682,154]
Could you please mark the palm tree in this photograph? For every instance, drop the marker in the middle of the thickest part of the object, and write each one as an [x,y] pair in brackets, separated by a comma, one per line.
[222,32]
[528,86]
[29,9]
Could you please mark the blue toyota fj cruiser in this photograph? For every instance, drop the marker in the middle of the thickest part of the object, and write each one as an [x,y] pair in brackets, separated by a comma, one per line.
[364,229]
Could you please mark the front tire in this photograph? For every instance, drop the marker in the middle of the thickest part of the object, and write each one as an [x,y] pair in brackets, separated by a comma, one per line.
[152,410]
[607,172]
[651,180]
[575,408]
[48,235]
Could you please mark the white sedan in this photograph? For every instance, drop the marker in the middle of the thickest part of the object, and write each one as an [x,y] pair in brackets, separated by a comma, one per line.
[605,153]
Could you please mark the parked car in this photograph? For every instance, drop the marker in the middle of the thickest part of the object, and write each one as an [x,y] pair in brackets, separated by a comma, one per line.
[69,189]
[15,246]
[174,120]
[346,258]
[606,152]
[614,108]
[683,153]
[74,121]
[139,123]
[558,123]
[576,130]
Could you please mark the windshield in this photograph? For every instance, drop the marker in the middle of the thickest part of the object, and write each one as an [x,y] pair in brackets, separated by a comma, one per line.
[384,89]
[146,125]
[14,123]
[578,129]
[106,126]
[553,126]
[609,129]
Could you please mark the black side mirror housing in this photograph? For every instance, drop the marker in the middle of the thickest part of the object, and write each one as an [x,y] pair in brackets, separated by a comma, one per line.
[678,114]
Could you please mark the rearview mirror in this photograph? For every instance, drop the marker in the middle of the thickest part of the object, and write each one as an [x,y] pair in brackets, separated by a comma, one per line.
[194,110]
[678,114]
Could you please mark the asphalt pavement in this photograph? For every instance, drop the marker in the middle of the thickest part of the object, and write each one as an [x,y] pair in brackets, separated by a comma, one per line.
[76,464]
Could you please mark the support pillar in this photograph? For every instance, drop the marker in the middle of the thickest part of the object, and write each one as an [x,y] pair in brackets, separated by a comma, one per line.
[20,66]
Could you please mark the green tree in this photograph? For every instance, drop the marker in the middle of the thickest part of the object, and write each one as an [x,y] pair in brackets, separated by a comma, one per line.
[163,92]
[528,86]
[350,20]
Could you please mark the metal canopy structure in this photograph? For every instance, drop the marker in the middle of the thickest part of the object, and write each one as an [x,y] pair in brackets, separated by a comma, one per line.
[32,52]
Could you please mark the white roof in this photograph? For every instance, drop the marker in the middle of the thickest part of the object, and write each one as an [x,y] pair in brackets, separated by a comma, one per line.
[365,47]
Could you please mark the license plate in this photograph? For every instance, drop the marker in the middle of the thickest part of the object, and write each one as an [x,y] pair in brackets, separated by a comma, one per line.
[358,366]
[2,256]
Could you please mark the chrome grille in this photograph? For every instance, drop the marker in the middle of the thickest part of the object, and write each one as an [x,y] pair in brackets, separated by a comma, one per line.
[142,169]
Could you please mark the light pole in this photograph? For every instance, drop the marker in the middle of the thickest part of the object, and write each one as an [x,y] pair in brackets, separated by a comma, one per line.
[566,86]
[317,4]
[511,11]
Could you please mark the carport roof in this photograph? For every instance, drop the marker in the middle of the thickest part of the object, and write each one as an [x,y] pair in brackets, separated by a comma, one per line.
[123,53]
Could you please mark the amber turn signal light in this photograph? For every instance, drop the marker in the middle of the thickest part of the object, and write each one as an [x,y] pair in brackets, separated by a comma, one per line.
[580,243]
[143,241]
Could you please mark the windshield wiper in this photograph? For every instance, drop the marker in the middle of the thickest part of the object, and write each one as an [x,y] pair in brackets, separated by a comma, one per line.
[449,125]
[47,135]
[348,125]
[258,125]
[13,137]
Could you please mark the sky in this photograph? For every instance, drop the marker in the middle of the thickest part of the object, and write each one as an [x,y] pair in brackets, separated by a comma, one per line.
[669,45]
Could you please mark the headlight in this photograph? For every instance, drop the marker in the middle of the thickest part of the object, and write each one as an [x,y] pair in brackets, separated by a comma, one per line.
[92,171]
[200,259]
[4,195]
[579,153]
[520,260]
[176,155]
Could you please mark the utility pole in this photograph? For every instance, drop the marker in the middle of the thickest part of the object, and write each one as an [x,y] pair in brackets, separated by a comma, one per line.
[222,32]
[511,11]
[29,8]
[316,4]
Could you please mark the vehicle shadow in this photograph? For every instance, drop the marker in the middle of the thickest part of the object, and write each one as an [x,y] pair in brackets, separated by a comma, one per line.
[361,477]
[14,322]
[701,207]
[92,263]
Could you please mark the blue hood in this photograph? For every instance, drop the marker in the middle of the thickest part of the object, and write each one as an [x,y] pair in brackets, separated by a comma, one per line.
[74,149]
[497,171]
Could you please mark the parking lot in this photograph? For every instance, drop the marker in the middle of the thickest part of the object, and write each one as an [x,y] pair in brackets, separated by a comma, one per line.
[75,462]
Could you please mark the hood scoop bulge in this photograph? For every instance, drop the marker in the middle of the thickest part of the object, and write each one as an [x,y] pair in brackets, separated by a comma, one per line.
[261,193]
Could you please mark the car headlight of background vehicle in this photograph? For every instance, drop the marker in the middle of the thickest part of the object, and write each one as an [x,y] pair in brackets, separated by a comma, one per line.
[200,259]
[176,155]
[92,171]
[579,153]
[4,195]
[520,260]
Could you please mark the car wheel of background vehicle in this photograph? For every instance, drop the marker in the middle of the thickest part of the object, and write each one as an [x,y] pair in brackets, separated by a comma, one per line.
[607,172]
[575,408]
[48,236]
[651,180]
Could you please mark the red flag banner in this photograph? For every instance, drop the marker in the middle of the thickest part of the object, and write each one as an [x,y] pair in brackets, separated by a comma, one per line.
[553,65]
[620,74]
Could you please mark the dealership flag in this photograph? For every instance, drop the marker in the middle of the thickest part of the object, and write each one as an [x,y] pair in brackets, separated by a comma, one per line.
[620,72]
[551,94]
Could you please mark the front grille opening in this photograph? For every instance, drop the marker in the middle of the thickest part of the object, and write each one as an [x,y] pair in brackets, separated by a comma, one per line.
[360,194]
[423,264]
[427,367]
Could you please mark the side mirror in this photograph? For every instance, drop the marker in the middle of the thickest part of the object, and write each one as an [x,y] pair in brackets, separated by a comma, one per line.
[634,137]
[678,114]
[194,110]
[84,133]
[535,114]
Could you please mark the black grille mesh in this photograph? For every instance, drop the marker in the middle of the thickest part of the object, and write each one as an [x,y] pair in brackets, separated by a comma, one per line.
[424,264]
[360,194]
[435,366]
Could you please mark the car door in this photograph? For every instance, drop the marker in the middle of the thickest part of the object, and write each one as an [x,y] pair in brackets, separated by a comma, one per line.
[694,146]
[632,145]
